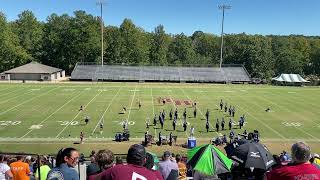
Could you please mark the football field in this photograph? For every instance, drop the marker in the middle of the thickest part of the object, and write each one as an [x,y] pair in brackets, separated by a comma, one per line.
[51,112]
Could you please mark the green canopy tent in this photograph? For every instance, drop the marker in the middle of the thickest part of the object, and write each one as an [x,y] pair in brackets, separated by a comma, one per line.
[209,160]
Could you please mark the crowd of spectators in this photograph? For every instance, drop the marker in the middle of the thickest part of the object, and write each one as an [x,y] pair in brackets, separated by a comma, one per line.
[140,164]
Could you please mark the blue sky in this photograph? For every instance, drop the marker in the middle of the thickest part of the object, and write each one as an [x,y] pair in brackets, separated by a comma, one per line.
[279,17]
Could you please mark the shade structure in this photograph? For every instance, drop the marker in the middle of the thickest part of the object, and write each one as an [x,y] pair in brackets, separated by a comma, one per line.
[209,160]
[253,155]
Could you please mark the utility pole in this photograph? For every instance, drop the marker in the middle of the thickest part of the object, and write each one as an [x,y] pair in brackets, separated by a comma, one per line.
[223,7]
[101,3]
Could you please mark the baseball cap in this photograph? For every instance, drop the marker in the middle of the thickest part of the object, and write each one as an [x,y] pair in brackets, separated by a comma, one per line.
[166,154]
[136,154]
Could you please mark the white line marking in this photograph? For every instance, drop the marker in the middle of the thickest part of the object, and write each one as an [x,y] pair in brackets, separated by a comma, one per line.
[54,113]
[102,117]
[134,94]
[26,101]
[78,114]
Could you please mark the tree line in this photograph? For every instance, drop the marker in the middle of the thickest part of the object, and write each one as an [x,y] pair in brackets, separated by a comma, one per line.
[64,40]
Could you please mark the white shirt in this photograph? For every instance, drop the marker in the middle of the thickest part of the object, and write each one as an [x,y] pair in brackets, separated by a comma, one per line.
[3,169]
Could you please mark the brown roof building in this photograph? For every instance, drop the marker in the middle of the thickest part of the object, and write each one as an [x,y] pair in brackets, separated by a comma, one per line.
[33,71]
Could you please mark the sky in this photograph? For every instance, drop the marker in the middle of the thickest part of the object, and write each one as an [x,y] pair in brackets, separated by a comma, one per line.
[265,17]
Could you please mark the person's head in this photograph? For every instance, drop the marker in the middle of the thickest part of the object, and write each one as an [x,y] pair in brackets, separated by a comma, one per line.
[119,160]
[166,155]
[19,158]
[300,152]
[178,158]
[105,158]
[149,161]
[136,155]
[2,158]
[70,156]
[28,159]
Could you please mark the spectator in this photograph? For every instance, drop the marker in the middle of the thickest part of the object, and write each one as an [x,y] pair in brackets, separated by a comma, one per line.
[105,159]
[136,158]
[66,160]
[182,168]
[300,167]
[168,169]
[150,165]
[20,169]
[5,171]
[119,160]
[44,169]
[314,160]
[93,167]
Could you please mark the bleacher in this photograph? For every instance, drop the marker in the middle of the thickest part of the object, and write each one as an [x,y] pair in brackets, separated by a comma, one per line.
[94,72]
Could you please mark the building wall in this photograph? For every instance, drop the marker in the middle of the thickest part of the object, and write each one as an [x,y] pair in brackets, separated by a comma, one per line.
[23,76]
[4,77]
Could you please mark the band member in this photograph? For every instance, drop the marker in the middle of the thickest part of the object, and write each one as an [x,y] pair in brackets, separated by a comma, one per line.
[140,104]
[163,115]
[231,135]
[230,124]
[125,125]
[207,126]
[185,113]
[195,112]
[174,122]
[185,125]
[155,120]
[86,119]
[230,110]
[81,108]
[241,122]
[207,115]
[147,123]
[101,127]
[161,120]
[225,107]
[160,142]
[163,101]
[170,139]
[192,131]
[268,109]
[217,125]
[221,104]
[176,113]
[146,138]
[233,111]
[124,109]
[81,137]
[222,123]
[170,114]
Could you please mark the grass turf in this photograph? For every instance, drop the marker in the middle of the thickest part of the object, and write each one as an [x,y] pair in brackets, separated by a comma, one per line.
[43,117]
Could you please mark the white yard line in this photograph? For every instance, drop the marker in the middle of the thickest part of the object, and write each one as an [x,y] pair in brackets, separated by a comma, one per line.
[78,114]
[155,130]
[199,110]
[53,113]
[134,94]
[106,110]
[174,105]
[26,101]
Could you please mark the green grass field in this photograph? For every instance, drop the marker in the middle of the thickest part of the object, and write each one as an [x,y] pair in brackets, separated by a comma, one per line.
[49,113]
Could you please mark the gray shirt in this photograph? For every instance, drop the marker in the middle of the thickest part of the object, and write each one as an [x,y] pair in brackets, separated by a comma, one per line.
[165,168]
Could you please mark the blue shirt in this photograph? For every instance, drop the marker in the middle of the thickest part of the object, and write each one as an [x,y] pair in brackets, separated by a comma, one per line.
[63,172]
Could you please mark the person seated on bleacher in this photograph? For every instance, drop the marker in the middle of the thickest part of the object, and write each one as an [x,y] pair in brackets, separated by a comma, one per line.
[167,168]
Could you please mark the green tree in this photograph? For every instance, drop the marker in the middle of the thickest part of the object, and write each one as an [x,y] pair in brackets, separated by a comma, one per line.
[159,46]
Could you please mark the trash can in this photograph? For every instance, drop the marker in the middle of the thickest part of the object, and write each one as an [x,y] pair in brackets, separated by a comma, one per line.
[192,142]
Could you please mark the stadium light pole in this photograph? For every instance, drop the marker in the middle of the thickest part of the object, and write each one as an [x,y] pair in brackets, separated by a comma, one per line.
[223,7]
[101,3]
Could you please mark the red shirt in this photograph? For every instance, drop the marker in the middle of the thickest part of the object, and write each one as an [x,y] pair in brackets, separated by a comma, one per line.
[128,172]
[295,172]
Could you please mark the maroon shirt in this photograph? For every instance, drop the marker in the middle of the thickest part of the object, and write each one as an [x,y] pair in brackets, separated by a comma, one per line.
[128,172]
[295,172]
